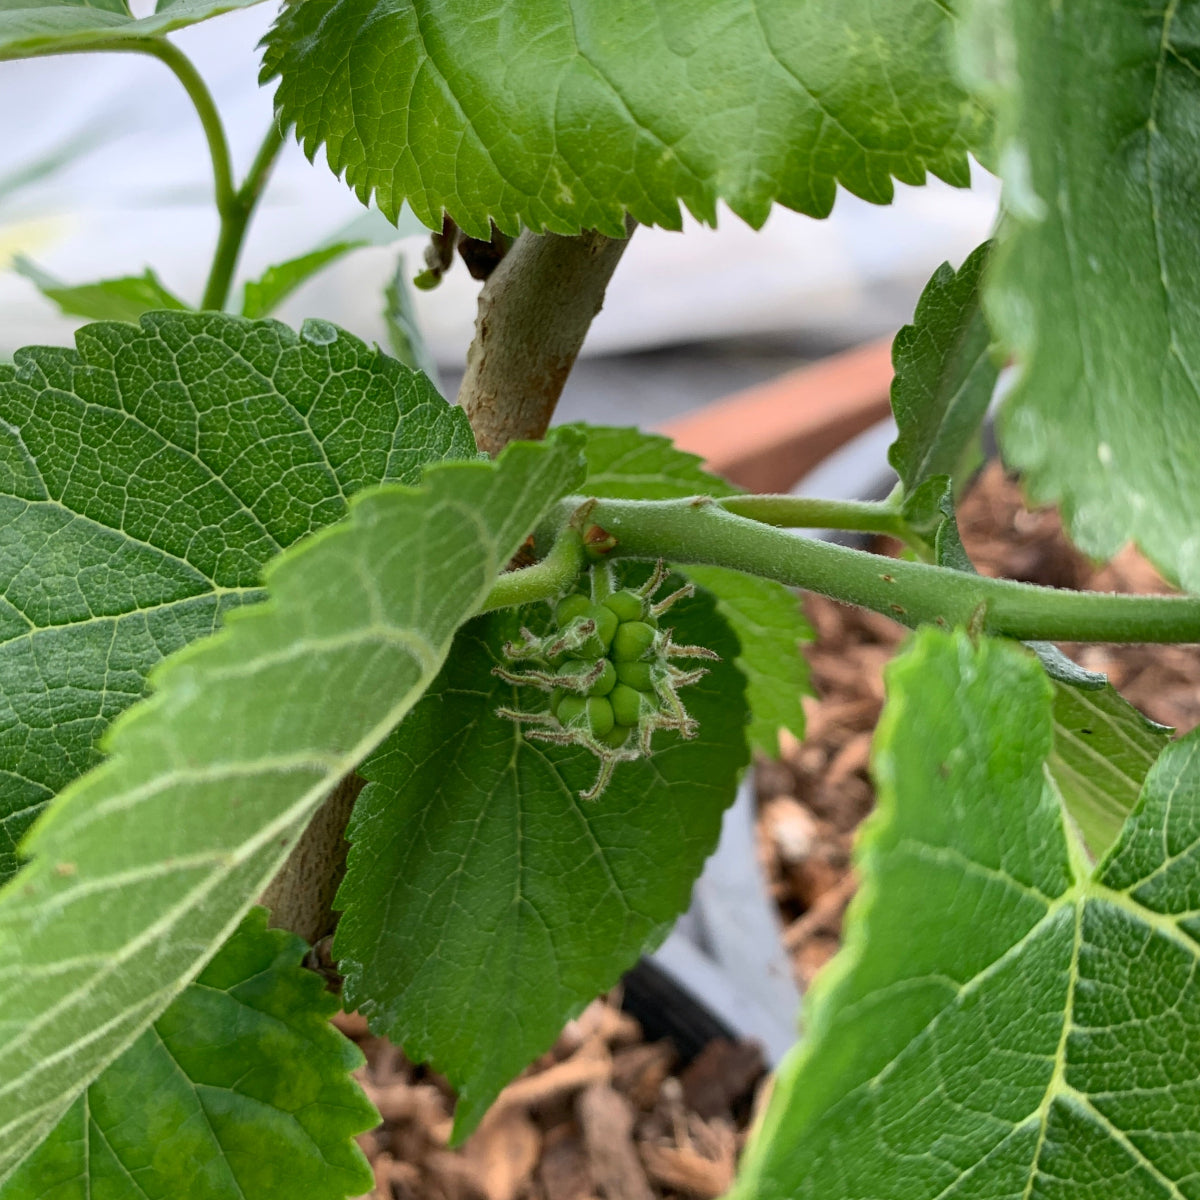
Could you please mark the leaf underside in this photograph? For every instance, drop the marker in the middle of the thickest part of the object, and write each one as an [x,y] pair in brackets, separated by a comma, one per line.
[145,479]
[1094,288]
[765,616]
[141,868]
[999,1022]
[559,115]
[239,1090]
[28,29]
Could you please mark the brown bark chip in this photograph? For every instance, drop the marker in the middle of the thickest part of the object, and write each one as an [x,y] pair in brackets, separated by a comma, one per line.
[503,1153]
[721,1077]
[607,1123]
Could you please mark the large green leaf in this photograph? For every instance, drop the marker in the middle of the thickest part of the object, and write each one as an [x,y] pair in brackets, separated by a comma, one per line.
[142,867]
[560,115]
[124,299]
[31,27]
[766,616]
[239,1091]
[944,378]
[145,478]
[1095,288]
[484,901]
[1004,1021]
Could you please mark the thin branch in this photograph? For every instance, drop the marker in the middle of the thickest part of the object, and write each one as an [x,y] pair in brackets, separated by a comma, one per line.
[700,530]
[534,313]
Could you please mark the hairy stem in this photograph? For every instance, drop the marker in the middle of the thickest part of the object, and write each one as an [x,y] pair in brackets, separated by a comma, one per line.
[701,530]
[801,512]
[534,312]
[554,574]
[236,210]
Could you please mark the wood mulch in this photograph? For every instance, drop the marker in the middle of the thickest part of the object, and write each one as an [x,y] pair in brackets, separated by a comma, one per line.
[606,1115]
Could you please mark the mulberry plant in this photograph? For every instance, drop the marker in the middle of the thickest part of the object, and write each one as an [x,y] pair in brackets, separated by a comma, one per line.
[317,689]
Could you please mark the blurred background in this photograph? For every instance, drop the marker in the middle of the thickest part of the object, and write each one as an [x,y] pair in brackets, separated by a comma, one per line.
[104,172]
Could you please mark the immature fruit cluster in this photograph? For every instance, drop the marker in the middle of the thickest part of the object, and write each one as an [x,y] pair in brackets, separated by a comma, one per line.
[606,665]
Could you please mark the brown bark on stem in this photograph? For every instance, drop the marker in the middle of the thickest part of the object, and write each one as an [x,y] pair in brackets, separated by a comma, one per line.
[300,896]
[534,312]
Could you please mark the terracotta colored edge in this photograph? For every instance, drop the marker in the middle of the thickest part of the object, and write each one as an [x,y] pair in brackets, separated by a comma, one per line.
[767,437]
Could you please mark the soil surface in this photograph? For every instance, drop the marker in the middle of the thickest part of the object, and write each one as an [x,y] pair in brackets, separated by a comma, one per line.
[606,1115]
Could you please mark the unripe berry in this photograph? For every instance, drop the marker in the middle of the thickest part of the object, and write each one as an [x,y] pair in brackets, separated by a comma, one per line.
[607,622]
[600,715]
[632,640]
[571,710]
[616,737]
[627,605]
[607,680]
[636,675]
[569,608]
[626,703]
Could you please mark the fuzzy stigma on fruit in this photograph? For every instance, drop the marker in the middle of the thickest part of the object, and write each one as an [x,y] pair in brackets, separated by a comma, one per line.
[609,670]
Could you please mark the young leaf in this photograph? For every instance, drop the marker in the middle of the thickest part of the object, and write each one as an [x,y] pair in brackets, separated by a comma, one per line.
[484,901]
[142,867]
[565,117]
[107,300]
[944,377]
[404,334]
[30,27]
[1099,144]
[996,1025]
[264,295]
[1103,748]
[239,1091]
[766,616]
[145,478]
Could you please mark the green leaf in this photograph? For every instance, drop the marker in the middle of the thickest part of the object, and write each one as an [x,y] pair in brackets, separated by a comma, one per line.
[1091,287]
[32,27]
[484,901]
[141,868]
[944,378]
[400,317]
[107,300]
[771,630]
[766,616]
[565,116]
[145,478]
[633,465]
[239,1091]
[264,295]
[1103,748]
[1004,1021]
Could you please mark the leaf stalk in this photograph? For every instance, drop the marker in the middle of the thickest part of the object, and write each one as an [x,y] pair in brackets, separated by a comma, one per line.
[701,530]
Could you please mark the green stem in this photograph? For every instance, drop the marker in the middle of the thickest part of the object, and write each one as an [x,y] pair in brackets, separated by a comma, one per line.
[801,512]
[235,213]
[704,531]
[554,574]
[202,101]
[234,206]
